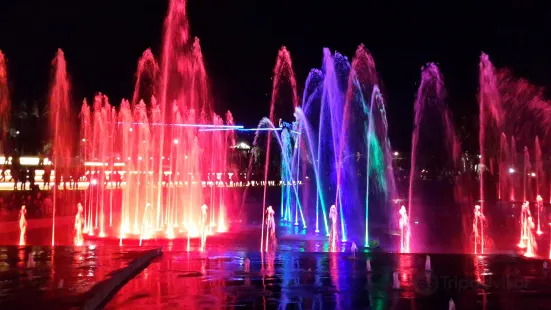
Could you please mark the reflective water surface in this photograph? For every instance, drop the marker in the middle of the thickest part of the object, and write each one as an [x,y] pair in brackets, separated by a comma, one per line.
[232,273]
[306,280]
[39,277]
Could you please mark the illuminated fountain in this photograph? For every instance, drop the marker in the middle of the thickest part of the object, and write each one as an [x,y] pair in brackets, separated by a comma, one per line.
[166,144]
[5,104]
[79,225]
[451,304]
[428,266]
[405,234]
[146,229]
[22,225]
[354,249]
[333,232]
[270,228]
[170,150]
[539,206]
[395,280]
[531,244]
[204,226]
[524,225]
[61,131]
[478,230]
[429,132]
[337,138]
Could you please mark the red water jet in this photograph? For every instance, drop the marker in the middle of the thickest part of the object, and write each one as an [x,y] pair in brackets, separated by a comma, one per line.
[61,119]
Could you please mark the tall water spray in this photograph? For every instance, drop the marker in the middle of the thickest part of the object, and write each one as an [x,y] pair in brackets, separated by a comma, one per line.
[61,126]
[166,143]
[5,104]
[283,75]
[345,132]
[22,225]
[429,102]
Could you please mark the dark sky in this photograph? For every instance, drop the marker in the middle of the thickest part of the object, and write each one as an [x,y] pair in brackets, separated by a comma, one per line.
[103,40]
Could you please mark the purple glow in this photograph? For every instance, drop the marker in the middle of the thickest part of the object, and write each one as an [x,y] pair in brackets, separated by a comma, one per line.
[260,129]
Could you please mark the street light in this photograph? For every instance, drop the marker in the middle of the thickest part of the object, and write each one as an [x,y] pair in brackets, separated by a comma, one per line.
[511,170]
[396,153]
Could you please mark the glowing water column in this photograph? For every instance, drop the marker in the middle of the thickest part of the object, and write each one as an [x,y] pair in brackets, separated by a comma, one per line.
[524,215]
[286,177]
[270,226]
[204,226]
[147,223]
[478,230]
[79,225]
[531,239]
[333,215]
[405,234]
[289,139]
[22,225]
[539,205]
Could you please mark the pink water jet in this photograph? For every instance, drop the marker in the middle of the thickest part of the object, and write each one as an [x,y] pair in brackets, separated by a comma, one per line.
[430,97]
[333,233]
[5,104]
[405,233]
[524,225]
[146,230]
[478,230]
[531,244]
[61,126]
[146,75]
[204,226]
[503,166]
[527,168]
[283,73]
[539,206]
[489,120]
[153,165]
[22,225]
[270,228]
[512,170]
[79,226]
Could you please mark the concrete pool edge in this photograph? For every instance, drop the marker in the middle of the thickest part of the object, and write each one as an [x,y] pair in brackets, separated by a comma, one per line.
[103,291]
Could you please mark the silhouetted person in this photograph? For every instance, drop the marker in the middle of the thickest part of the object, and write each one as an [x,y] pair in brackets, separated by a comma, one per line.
[15,173]
[46,176]
[32,175]
[23,174]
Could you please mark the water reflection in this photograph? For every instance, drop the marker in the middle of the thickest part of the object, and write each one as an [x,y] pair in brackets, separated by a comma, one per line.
[33,275]
[301,280]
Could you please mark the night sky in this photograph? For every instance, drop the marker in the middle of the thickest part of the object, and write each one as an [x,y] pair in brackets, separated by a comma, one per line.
[103,40]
